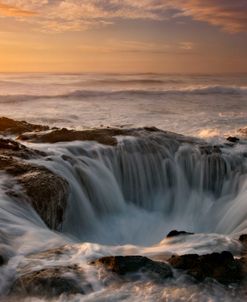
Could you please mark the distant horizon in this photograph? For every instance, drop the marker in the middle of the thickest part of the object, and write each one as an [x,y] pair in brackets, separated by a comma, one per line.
[128,73]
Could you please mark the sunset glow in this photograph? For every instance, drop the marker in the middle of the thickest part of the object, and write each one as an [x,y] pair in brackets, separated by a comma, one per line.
[179,36]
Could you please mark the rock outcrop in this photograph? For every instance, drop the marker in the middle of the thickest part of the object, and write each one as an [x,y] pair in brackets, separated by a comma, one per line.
[122,265]
[51,282]
[219,266]
[232,139]
[44,190]
[9,126]
[175,233]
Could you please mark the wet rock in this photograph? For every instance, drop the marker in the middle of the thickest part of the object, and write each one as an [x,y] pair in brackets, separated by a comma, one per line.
[122,265]
[45,191]
[220,266]
[52,282]
[104,136]
[232,139]
[2,260]
[9,147]
[9,126]
[208,149]
[175,233]
[243,240]
[243,132]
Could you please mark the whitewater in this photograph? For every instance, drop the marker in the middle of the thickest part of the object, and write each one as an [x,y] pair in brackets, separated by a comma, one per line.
[125,199]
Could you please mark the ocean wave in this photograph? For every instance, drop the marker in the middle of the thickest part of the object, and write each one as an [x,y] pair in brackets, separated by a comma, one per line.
[206,90]
[202,90]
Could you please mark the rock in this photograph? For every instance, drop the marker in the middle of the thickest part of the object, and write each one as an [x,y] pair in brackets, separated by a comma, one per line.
[2,261]
[51,282]
[175,233]
[122,265]
[243,240]
[232,139]
[209,150]
[9,147]
[45,191]
[103,136]
[243,132]
[9,126]
[220,266]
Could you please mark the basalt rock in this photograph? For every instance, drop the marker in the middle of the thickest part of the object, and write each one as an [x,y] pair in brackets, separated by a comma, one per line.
[122,265]
[175,233]
[220,266]
[52,282]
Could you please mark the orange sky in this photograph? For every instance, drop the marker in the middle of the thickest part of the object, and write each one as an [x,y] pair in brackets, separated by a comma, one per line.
[186,36]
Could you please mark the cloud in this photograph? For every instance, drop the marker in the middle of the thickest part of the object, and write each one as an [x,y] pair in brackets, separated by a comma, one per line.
[230,15]
[128,46]
[76,15]
[13,11]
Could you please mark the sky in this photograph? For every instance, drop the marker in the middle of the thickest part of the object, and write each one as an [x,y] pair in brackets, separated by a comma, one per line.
[167,36]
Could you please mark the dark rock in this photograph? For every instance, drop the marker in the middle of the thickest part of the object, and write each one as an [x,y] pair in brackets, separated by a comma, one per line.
[122,265]
[9,126]
[51,282]
[175,233]
[45,191]
[209,150]
[243,238]
[2,260]
[232,139]
[220,266]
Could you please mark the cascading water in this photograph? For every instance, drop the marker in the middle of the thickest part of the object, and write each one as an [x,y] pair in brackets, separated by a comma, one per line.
[138,191]
[124,199]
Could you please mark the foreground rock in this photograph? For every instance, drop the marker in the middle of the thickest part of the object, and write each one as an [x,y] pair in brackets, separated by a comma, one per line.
[46,192]
[9,126]
[175,233]
[52,282]
[219,266]
[122,265]
[232,139]
[104,136]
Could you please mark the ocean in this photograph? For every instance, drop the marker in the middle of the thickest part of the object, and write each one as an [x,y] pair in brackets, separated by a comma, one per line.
[197,105]
[125,199]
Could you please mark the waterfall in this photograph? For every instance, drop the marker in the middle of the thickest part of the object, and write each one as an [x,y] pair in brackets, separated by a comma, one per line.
[142,188]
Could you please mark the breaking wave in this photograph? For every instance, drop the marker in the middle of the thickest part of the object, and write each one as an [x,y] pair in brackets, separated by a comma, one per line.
[200,91]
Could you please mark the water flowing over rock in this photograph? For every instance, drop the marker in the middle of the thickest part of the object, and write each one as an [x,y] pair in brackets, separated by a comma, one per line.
[51,282]
[220,266]
[44,190]
[132,264]
[119,192]
[175,233]
[9,126]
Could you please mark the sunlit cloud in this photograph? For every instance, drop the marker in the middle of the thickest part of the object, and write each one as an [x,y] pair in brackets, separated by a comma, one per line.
[13,11]
[77,15]
[125,46]
[230,15]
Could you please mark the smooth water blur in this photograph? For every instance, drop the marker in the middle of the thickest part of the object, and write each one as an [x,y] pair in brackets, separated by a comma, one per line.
[199,105]
[124,200]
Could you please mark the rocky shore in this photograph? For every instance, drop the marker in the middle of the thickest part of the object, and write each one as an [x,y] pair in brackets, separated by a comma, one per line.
[48,194]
